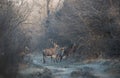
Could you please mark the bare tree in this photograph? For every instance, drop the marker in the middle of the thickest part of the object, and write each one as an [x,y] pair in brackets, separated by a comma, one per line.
[91,25]
[11,37]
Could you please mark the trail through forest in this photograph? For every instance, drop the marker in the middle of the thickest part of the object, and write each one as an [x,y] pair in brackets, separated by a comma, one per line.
[65,69]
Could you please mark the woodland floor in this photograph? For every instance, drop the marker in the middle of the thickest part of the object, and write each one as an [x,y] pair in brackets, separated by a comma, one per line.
[100,68]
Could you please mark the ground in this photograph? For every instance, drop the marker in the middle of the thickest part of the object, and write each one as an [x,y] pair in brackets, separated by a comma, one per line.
[99,68]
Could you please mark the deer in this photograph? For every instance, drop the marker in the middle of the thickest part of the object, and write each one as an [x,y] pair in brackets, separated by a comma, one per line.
[50,52]
[59,55]
[26,51]
[23,54]
[70,50]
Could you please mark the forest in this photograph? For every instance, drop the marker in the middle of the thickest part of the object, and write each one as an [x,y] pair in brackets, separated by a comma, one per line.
[59,38]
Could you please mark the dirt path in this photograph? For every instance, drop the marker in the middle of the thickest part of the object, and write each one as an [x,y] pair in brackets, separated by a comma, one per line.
[72,70]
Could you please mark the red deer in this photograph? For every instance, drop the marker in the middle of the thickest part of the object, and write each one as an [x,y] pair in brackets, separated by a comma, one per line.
[24,53]
[70,50]
[50,52]
[60,53]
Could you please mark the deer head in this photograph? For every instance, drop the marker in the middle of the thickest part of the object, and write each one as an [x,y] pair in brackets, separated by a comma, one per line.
[55,45]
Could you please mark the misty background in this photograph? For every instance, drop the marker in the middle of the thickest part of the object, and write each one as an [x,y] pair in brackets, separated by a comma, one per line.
[93,25]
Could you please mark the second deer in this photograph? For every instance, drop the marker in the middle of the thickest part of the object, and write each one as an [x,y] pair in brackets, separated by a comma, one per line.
[50,52]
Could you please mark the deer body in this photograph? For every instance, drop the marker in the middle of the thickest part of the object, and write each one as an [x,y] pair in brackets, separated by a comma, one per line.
[60,53]
[70,50]
[50,52]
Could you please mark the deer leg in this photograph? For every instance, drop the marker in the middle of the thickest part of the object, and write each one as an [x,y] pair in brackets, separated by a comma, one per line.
[51,59]
[56,58]
[60,58]
[44,58]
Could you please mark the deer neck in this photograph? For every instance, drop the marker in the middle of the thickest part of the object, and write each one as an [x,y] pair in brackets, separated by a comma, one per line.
[55,48]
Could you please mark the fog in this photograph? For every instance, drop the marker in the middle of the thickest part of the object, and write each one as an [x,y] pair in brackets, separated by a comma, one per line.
[33,32]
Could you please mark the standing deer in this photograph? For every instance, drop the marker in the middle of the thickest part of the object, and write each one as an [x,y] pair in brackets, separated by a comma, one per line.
[50,52]
[24,52]
[60,53]
[70,50]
